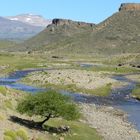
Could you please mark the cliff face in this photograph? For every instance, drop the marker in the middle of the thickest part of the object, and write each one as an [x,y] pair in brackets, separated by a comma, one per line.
[58,22]
[129,7]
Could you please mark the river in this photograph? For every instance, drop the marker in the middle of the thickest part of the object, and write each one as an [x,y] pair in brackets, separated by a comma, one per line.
[120,97]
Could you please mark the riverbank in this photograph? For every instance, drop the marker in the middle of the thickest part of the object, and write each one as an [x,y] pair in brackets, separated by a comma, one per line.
[83,81]
[136,91]
[21,123]
[109,122]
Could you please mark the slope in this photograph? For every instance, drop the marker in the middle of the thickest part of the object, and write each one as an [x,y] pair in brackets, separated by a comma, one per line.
[118,34]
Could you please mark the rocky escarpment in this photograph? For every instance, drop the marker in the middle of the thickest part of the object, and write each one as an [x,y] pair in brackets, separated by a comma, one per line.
[129,7]
[58,22]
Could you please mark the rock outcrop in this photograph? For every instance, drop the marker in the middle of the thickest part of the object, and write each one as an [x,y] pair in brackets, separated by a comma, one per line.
[129,7]
[58,22]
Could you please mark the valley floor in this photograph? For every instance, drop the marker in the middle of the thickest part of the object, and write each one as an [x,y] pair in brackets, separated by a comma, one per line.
[110,123]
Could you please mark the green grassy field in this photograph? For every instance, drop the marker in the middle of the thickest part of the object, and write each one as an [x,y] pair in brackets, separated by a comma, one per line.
[79,131]
[17,61]
[113,69]
[101,91]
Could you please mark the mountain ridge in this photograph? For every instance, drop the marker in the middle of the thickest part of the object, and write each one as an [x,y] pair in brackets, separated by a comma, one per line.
[15,30]
[31,19]
[118,34]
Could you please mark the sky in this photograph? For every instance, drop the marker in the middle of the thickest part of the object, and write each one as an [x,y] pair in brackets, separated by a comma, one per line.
[93,11]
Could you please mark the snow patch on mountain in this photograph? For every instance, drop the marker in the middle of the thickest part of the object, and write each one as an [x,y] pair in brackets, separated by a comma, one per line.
[35,20]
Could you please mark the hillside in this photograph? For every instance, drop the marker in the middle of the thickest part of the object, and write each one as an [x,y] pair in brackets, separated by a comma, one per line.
[60,31]
[6,45]
[120,33]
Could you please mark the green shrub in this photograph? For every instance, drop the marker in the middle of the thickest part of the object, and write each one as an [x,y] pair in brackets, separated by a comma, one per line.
[136,92]
[11,134]
[3,90]
[1,117]
[22,134]
[7,138]
[49,104]
[8,104]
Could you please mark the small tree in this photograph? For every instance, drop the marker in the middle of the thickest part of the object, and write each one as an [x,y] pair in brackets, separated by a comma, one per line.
[49,105]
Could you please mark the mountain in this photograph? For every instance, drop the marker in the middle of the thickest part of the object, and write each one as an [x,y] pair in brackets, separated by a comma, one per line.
[118,34]
[58,32]
[15,30]
[31,19]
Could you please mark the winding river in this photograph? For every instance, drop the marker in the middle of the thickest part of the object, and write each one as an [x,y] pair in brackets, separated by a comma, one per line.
[120,97]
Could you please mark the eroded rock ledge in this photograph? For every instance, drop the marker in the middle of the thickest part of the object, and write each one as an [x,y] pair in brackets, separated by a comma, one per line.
[130,7]
[57,22]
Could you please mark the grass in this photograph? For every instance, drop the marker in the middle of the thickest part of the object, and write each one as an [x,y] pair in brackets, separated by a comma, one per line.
[10,134]
[136,92]
[15,135]
[78,130]
[19,61]
[7,138]
[3,90]
[128,58]
[22,134]
[113,69]
[1,117]
[8,104]
[9,98]
[101,91]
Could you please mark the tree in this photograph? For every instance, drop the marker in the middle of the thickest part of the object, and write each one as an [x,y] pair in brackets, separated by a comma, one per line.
[48,104]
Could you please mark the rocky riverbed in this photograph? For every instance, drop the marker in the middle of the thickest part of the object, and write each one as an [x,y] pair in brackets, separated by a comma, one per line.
[109,122]
[81,78]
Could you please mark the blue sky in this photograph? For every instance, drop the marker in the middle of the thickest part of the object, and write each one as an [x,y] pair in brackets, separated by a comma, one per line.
[93,11]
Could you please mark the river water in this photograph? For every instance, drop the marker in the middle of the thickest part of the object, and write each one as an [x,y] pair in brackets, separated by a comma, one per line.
[120,97]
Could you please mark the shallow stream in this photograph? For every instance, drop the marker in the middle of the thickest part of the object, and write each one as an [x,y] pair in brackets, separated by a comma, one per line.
[120,97]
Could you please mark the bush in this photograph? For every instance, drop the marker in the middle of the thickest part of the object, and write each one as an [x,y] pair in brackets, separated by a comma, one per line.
[21,133]
[8,104]
[15,135]
[7,138]
[10,134]
[49,104]
[3,90]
